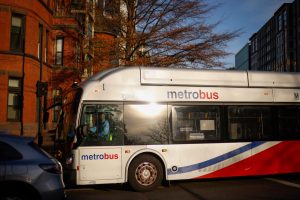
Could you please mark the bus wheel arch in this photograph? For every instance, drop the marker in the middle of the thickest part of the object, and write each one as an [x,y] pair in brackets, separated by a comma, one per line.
[145,172]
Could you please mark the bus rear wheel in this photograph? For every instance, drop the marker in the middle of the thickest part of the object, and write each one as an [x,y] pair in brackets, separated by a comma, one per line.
[145,173]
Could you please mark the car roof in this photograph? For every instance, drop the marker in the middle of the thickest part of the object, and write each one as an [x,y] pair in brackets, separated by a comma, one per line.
[15,138]
[20,143]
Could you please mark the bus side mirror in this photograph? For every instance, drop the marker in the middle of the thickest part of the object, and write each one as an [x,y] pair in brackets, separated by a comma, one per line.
[84,130]
[45,117]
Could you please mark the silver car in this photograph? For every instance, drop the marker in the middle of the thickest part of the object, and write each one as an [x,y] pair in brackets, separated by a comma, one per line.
[27,172]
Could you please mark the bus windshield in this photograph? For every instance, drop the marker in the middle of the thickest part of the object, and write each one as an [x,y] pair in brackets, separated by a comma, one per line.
[103,123]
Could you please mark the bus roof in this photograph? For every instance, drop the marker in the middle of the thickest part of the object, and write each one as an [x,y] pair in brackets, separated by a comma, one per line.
[169,84]
[220,78]
[196,77]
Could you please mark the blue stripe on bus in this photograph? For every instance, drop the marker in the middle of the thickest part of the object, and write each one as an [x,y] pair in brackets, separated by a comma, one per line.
[215,160]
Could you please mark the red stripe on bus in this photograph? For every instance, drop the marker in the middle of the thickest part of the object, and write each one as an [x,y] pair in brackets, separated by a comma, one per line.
[281,158]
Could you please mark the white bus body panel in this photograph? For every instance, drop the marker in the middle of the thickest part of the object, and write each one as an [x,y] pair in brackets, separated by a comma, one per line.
[190,160]
[274,79]
[98,163]
[191,94]
[104,169]
[155,76]
[183,155]
[286,95]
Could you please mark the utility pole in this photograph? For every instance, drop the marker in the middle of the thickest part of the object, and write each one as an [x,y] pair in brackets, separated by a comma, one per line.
[40,136]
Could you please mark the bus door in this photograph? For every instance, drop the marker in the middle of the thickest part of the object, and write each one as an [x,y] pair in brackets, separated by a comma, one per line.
[99,152]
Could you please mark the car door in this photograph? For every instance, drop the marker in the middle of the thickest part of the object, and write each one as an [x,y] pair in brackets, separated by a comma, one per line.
[2,167]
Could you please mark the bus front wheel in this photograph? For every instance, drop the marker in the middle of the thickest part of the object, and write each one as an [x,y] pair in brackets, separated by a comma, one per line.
[145,173]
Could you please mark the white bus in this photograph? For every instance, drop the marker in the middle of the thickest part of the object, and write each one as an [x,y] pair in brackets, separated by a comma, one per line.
[143,125]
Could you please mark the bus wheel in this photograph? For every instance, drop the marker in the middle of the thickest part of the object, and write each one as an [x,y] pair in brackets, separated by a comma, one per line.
[145,173]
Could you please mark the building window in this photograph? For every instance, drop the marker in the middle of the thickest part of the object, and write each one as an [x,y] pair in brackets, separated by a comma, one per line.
[285,18]
[90,27]
[57,99]
[280,22]
[17,33]
[108,7]
[59,51]
[14,99]
[46,46]
[59,7]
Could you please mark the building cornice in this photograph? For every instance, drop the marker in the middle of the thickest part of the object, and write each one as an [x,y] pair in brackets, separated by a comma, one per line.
[26,56]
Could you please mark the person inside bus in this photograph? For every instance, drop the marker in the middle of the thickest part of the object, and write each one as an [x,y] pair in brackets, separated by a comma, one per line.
[101,128]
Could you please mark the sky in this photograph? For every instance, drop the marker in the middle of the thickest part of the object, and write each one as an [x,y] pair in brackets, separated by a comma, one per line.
[248,16]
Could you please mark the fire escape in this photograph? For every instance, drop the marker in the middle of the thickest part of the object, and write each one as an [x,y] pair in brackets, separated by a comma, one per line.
[84,11]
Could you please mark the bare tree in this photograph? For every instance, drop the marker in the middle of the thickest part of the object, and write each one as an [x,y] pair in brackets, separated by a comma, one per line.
[167,33]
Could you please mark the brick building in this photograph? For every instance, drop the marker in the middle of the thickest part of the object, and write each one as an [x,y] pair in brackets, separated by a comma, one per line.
[47,41]
[25,58]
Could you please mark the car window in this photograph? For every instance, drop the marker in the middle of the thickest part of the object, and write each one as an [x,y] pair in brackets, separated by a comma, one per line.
[7,152]
[38,149]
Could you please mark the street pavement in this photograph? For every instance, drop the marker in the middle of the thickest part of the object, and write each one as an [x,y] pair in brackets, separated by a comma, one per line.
[264,188]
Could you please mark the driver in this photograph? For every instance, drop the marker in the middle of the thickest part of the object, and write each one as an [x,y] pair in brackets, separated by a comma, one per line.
[102,127]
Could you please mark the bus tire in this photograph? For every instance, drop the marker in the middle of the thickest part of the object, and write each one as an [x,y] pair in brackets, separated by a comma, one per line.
[145,173]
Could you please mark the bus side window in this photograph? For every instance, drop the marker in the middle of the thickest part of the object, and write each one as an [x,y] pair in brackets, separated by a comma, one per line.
[289,122]
[146,124]
[249,123]
[195,123]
